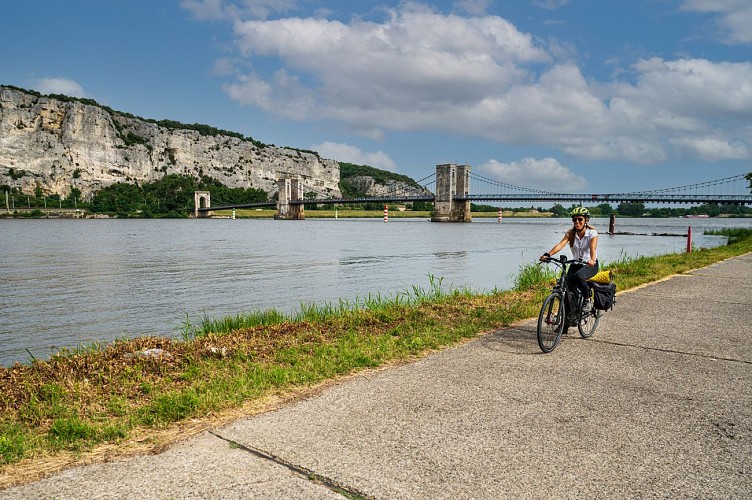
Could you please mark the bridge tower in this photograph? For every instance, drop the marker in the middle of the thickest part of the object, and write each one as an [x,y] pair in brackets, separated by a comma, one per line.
[201,199]
[290,189]
[452,180]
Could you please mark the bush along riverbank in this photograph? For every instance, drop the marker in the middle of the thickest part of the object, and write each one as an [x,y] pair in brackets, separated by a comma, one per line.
[137,395]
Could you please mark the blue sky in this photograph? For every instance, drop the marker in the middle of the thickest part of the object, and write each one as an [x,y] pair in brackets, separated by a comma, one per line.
[569,95]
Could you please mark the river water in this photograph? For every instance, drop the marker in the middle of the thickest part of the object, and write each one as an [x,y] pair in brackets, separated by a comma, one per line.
[65,283]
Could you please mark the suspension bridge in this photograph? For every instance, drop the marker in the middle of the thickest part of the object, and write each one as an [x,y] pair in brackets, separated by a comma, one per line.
[449,190]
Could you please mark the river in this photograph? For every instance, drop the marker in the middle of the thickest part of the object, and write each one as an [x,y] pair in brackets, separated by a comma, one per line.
[65,283]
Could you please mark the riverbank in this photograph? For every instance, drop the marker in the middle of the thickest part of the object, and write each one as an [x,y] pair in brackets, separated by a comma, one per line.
[141,394]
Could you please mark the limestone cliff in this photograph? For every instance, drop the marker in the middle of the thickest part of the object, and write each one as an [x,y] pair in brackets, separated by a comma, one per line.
[59,143]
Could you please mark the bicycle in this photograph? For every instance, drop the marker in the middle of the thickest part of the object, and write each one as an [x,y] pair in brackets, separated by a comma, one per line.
[553,320]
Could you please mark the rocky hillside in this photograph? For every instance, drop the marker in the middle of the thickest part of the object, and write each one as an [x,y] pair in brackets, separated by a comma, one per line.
[57,143]
[362,180]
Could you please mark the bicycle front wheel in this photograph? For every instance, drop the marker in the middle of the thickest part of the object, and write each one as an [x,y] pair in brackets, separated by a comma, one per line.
[551,322]
[588,323]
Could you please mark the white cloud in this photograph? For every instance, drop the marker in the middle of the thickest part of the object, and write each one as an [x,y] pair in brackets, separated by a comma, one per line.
[420,70]
[711,149]
[546,174]
[694,88]
[407,73]
[59,85]
[283,95]
[686,102]
[352,154]
[671,105]
[559,106]
[734,17]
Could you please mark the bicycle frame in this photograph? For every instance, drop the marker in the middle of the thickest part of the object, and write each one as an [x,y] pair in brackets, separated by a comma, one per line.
[572,297]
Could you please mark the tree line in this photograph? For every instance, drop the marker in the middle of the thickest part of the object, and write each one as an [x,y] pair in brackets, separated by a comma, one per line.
[171,196]
[631,210]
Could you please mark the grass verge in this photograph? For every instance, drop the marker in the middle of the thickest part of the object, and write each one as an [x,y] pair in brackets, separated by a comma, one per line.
[65,410]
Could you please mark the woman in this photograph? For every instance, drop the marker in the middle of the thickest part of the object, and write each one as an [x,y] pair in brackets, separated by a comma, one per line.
[583,240]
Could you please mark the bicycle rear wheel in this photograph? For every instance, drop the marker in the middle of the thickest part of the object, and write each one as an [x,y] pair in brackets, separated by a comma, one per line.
[588,323]
[551,322]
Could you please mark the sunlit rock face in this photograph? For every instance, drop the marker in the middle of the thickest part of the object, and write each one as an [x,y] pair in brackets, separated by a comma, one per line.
[58,144]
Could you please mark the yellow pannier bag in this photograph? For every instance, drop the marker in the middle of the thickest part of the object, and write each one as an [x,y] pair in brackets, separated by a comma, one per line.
[602,277]
[604,290]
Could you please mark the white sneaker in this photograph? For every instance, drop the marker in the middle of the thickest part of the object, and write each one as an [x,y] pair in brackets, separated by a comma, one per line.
[587,306]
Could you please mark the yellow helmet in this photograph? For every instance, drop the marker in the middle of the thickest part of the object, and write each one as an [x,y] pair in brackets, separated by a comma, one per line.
[581,211]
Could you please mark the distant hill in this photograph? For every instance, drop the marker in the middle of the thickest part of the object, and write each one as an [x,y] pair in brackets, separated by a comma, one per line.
[362,180]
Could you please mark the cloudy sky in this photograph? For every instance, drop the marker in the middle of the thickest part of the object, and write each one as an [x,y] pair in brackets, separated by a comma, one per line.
[590,96]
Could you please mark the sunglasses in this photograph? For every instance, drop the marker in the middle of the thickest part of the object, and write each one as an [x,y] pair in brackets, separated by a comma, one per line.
[578,219]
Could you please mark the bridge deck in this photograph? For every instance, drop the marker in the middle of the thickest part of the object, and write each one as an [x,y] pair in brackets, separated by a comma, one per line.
[612,198]
[544,197]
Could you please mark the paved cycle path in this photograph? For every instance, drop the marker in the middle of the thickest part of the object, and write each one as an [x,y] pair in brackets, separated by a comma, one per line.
[657,404]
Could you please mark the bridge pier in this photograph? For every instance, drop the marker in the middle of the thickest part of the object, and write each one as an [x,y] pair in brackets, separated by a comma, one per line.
[290,189]
[452,180]
[201,199]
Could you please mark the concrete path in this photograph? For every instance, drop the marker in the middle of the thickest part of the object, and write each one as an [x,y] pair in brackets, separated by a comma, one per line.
[657,404]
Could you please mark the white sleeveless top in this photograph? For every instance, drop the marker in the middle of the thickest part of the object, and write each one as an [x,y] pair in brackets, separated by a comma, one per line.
[581,247]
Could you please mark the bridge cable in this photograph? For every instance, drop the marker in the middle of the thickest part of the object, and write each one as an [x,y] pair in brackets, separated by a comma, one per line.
[507,185]
[717,182]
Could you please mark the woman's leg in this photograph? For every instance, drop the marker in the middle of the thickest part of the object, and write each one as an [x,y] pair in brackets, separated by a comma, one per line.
[574,288]
[582,275]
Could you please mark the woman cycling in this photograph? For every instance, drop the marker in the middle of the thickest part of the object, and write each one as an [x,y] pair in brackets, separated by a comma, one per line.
[583,240]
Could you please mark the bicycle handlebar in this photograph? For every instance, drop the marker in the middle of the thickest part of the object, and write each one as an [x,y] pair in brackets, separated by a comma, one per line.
[562,260]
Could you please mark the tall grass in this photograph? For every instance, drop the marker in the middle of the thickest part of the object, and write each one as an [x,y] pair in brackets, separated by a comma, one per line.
[317,312]
[734,234]
[532,275]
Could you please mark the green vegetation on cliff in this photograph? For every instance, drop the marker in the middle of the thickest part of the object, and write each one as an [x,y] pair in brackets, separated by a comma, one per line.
[347,170]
